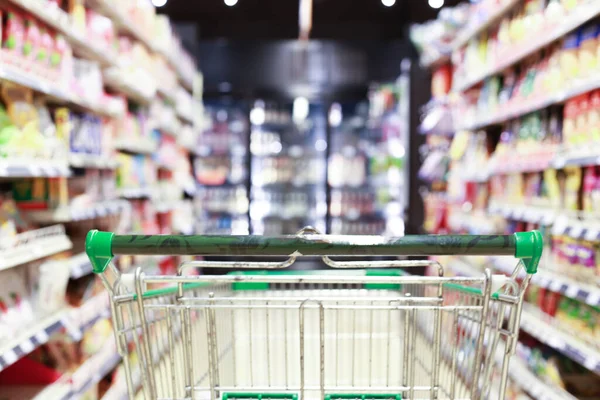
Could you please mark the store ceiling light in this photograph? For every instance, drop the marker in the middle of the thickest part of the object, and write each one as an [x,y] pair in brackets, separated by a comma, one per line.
[388,3]
[436,3]
[231,3]
[159,3]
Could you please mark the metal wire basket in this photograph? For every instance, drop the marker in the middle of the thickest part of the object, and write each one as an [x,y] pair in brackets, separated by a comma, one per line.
[268,333]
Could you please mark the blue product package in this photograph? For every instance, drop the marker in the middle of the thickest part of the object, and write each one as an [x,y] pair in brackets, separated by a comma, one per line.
[76,140]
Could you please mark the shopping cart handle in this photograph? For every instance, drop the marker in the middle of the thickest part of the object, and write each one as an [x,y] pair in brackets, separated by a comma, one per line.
[102,246]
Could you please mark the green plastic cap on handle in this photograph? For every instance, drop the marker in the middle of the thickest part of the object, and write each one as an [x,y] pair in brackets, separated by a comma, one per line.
[98,247]
[529,247]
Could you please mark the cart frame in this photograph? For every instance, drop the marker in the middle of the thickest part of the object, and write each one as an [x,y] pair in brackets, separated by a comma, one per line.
[188,344]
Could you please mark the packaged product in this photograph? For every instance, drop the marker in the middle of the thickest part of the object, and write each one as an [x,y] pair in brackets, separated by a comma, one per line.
[23,114]
[593,117]
[588,49]
[569,5]
[76,10]
[12,36]
[551,302]
[569,122]
[589,185]
[582,135]
[62,121]
[572,185]
[586,256]
[568,56]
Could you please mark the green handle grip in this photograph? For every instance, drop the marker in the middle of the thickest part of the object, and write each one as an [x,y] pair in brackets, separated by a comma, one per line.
[102,246]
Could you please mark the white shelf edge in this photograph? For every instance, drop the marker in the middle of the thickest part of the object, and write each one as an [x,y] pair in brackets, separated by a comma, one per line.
[586,293]
[33,167]
[37,84]
[34,250]
[22,344]
[137,146]
[579,17]
[83,160]
[71,214]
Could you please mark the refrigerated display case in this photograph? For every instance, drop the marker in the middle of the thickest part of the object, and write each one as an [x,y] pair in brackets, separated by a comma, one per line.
[221,170]
[367,163]
[288,168]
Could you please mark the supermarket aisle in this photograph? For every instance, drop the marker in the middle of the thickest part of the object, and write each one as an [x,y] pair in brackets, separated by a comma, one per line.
[511,146]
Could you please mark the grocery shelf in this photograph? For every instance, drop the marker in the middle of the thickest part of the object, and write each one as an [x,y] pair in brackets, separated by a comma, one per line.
[539,326]
[80,265]
[75,321]
[166,206]
[136,193]
[576,224]
[71,214]
[32,167]
[33,245]
[114,78]
[533,214]
[137,145]
[121,21]
[438,59]
[167,94]
[520,163]
[93,370]
[588,155]
[476,26]
[30,338]
[529,382]
[582,14]
[189,119]
[584,292]
[85,316]
[55,93]
[82,160]
[56,18]
[525,107]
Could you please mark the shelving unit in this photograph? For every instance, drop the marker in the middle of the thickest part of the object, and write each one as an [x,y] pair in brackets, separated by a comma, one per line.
[487,185]
[114,169]
[554,32]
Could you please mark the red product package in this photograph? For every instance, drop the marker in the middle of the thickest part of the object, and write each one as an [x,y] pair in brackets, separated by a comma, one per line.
[13,35]
[541,299]
[551,303]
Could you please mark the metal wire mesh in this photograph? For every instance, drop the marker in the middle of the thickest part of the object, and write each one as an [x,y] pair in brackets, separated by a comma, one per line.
[421,338]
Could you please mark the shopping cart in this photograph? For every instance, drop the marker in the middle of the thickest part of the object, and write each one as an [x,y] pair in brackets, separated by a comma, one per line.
[342,333]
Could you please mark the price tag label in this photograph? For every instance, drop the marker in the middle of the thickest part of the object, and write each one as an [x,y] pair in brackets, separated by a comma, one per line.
[591,234]
[560,225]
[594,298]
[572,291]
[576,231]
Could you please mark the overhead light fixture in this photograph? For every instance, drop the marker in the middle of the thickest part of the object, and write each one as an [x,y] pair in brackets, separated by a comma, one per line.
[388,3]
[436,3]
[231,3]
[159,3]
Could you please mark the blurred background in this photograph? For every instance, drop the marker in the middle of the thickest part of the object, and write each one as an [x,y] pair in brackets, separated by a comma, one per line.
[261,117]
